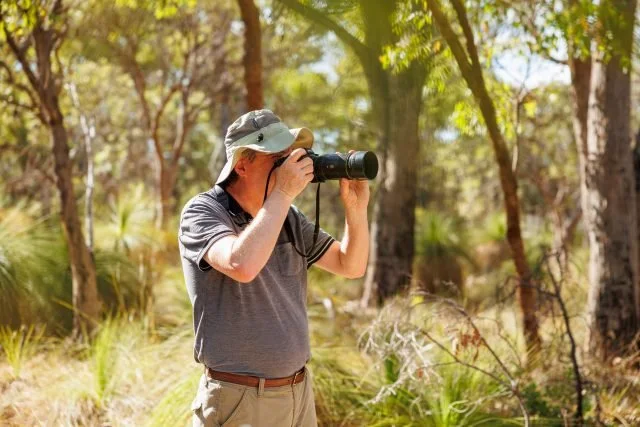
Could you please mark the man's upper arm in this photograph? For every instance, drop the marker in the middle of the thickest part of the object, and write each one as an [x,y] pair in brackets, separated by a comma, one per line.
[330,261]
[219,257]
[203,223]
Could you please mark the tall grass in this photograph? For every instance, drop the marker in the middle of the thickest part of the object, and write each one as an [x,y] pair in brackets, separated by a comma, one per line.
[440,252]
[126,225]
[438,235]
[421,383]
[19,345]
[458,397]
[104,358]
[35,276]
[32,260]
[174,407]
[341,385]
[130,375]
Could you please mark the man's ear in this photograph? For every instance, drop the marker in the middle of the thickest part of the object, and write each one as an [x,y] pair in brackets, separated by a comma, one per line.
[241,167]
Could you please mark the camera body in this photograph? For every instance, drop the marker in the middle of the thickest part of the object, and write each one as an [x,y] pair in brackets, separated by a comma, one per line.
[356,165]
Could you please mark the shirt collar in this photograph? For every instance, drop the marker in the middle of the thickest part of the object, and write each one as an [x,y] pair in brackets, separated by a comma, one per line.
[239,216]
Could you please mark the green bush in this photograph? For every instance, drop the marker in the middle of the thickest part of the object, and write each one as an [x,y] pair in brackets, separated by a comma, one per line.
[437,267]
[35,276]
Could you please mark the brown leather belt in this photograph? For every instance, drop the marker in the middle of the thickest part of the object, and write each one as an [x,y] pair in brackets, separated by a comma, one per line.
[255,381]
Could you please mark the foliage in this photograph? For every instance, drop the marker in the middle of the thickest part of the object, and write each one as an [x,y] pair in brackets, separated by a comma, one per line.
[103,359]
[312,80]
[341,393]
[32,270]
[434,373]
[20,345]
[36,282]
[438,235]
[173,409]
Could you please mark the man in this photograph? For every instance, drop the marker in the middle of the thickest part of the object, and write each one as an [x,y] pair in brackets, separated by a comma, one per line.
[245,259]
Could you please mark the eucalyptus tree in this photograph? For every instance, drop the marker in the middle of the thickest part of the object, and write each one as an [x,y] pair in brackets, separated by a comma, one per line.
[465,52]
[32,34]
[177,57]
[599,40]
[368,28]
[252,59]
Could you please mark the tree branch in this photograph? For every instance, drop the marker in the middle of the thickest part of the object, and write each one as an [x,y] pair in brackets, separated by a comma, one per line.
[155,124]
[11,101]
[468,33]
[359,48]
[21,87]
[19,53]
[450,36]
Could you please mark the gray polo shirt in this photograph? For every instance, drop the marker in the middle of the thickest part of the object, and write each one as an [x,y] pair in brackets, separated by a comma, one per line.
[258,328]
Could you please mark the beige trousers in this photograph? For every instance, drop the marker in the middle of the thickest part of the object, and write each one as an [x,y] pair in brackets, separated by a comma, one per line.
[222,404]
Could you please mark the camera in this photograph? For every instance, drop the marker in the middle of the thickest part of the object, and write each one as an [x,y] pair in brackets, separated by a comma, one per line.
[356,165]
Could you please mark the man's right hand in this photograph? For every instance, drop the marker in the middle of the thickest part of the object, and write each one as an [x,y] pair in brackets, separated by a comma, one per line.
[294,174]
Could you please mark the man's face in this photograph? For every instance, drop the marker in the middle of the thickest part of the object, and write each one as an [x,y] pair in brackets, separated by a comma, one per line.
[258,170]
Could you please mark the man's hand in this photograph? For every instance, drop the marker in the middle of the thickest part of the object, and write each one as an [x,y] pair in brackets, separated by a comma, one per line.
[294,174]
[354,193]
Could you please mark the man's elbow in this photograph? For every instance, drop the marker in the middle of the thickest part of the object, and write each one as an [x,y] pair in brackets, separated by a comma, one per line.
[243,274]
[351,270]
[356,273]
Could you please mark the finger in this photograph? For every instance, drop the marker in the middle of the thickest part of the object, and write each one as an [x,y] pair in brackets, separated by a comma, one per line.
[296,154]
[306,162]
[307,168]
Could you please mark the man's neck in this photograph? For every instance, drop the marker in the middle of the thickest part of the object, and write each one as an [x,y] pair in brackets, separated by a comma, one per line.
[248,197]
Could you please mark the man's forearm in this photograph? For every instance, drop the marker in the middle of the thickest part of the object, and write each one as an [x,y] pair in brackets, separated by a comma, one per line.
[354,247]
[254,245]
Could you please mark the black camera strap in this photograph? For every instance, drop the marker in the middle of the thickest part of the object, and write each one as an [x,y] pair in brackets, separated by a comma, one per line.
[287,224]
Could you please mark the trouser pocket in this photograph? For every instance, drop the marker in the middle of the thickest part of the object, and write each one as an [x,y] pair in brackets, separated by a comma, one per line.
[237,405]
[218,403]
[206,403]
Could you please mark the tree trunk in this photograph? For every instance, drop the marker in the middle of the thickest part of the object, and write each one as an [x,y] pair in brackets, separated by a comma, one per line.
[86,302]
[470,68]
[392,248]
[219,154]
[396,104]
[581,82]
[252,59]
[527,293]
[45,84]
[611,223]
[636,170]
[88,132]
[601,96]
[166,183]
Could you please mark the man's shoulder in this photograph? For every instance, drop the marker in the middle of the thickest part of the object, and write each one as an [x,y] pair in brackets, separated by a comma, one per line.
[298,215]
[296,210]
[202,203]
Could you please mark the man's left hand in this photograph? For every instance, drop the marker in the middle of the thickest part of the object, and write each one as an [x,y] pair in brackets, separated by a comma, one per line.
[354,193]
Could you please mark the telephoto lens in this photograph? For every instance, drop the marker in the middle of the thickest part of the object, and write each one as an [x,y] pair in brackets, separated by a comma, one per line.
[356,165]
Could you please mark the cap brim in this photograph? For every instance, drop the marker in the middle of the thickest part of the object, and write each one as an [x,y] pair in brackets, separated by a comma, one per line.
[295,138]
[303,137]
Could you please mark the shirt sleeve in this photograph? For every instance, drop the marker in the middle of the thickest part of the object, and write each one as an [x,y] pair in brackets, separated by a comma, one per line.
[202,223]
[307,228]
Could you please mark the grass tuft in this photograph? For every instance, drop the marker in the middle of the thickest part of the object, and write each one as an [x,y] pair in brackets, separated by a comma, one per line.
[19,345]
